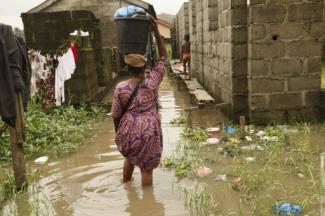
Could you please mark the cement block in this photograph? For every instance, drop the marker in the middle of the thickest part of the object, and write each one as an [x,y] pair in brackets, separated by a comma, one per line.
[268,14]
[285,101]
[257,32]
[304,48]
[258,103]
[267,50]
[287,66]
[304,83]
[264,85]
[305,11]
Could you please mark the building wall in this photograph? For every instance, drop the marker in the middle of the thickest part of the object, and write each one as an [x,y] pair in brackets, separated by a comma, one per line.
[182,26]
[164,30]
[285,43]
[263,59]
[103,10]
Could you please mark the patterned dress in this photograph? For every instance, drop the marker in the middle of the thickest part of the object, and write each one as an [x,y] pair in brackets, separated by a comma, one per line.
[139,136]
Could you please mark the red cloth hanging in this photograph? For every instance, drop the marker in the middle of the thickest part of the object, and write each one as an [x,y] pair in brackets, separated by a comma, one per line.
[74,49]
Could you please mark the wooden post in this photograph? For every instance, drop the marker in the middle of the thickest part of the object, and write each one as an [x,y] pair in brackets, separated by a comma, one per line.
[189,118]
[322,195]
[18,137]
[242,122]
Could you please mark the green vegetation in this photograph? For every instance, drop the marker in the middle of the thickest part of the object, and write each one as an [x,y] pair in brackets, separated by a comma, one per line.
[200,201]
[283,166]
[54,132]
[177,122]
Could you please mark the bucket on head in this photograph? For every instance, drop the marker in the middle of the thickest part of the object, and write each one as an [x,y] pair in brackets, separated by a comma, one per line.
[132,34]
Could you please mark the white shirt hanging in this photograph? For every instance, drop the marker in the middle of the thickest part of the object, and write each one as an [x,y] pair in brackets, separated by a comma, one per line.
[64,71]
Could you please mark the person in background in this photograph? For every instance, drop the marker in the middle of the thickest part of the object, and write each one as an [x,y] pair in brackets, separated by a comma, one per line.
[137,123]
[186,55]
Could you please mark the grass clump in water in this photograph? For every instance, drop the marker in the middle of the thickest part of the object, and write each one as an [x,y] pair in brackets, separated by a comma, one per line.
[54,132]
[200,201]
[178,122]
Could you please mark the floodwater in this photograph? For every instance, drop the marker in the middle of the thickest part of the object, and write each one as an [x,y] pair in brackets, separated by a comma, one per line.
[89,182]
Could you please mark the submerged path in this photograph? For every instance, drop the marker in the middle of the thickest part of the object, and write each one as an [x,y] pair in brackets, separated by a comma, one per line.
[89,182]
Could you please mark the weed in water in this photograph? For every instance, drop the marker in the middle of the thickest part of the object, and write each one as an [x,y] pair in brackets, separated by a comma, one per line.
[200,201]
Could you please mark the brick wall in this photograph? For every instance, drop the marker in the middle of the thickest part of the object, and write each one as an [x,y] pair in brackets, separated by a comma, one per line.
[284,52]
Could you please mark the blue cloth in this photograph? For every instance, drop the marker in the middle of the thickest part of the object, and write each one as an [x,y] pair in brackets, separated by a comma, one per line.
[287,209]
[129,11]
[230,130]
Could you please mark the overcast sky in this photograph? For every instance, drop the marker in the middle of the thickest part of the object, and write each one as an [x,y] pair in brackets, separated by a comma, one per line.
[10,10]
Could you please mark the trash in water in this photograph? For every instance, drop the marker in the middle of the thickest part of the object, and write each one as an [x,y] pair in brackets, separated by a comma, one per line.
[221,178]
[230,130]
[236,185]
[260,133]
[212,141]
[237,181]
[213,130]
[41,160]
[300,175]
[250,159]
[203,171]
[234,140]
[252,148]
[270,139]
[287,209]
[249,139]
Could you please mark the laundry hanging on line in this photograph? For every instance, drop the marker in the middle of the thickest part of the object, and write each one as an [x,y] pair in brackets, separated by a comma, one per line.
[50,72]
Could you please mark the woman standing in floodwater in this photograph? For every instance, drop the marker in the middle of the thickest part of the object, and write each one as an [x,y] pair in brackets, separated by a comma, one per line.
[138,132]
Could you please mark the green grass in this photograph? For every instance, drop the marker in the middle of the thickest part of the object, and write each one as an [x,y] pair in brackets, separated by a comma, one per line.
[54,132]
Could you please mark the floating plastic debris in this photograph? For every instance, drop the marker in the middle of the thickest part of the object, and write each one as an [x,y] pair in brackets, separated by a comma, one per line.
[213,130]
[230,130]
[250,159]
[221,178]
[203,171]
[41,160]
[248,138]
[212,141]
[260,133]
[287,209]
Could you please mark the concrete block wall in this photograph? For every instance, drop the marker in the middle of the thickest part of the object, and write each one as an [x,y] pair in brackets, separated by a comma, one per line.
[263,58]
[182,25]
[284,59]
[103,10]
[83,87]
[219,50]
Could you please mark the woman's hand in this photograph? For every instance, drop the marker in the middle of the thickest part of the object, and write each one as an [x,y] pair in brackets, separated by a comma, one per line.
[160,42]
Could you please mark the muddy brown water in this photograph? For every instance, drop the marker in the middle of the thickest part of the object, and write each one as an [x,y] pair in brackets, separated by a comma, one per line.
[89,182]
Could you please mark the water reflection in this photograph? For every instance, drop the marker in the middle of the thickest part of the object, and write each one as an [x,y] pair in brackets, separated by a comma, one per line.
[147,205]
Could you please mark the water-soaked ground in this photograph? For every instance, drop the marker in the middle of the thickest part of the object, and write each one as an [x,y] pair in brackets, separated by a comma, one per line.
[89,182]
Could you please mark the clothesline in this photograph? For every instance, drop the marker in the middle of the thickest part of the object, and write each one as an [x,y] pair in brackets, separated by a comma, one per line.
[50,72]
